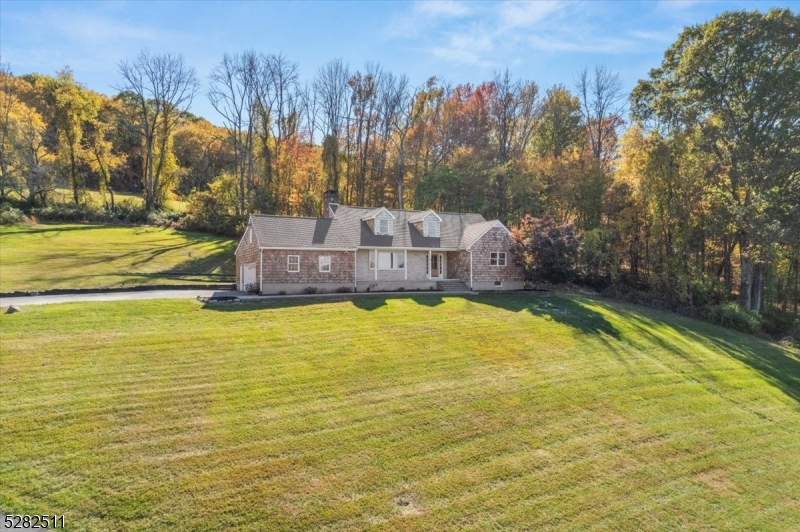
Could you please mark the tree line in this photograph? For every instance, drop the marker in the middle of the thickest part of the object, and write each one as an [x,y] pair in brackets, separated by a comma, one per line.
[692,196]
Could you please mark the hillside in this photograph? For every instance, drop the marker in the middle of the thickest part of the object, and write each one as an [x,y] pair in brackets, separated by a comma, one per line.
[50,256]
[547,412]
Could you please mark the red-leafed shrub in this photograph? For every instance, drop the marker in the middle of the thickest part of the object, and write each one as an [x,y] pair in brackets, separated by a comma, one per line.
[548,251]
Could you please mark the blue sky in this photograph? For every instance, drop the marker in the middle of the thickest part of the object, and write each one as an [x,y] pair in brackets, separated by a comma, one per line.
[545,41]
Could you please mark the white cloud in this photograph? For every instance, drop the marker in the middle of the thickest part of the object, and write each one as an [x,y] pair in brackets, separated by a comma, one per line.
[527,14]
[504,33]
[468,48]
[444,8]
[663,36]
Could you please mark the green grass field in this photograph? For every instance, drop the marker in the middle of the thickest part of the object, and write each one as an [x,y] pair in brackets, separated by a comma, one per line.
[547,412]
[50,256]
[64,195]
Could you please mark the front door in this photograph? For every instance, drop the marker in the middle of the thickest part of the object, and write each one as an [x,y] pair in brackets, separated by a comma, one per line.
[247,276]
[436,265]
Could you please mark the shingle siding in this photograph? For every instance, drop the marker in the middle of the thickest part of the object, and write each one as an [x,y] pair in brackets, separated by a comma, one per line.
[458,265]
[247,253]
[495,240]
[276,262]
[338,238]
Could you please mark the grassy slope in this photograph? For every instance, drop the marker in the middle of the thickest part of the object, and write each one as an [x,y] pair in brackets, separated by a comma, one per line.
[97,256]
[423,413]
[64,195]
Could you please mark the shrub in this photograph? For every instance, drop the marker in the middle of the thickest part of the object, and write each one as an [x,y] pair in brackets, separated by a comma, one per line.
[707,291]
[209,211]
[547,251]
[251,288]
[401,289]
[310,290]
[67,212]
[11,216]
[778,323]
[344,290]
[731,315]
[282,293]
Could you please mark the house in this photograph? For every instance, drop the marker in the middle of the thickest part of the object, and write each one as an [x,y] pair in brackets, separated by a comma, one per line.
[375,249]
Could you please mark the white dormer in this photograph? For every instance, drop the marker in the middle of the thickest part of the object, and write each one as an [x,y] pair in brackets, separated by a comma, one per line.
[428,223]
[381,221]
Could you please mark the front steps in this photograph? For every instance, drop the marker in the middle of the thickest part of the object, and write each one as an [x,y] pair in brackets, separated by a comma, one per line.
[452,285]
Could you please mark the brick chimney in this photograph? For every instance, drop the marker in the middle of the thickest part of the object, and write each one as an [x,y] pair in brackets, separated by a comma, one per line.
[330,202]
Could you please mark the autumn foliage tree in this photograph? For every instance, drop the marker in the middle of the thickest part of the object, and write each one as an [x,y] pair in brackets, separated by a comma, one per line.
[547,250]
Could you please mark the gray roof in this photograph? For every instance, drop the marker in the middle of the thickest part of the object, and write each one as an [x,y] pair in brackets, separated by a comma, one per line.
[348,230]
[475,231]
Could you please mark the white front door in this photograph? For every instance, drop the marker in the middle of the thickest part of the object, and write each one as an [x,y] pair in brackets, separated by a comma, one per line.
[247,276]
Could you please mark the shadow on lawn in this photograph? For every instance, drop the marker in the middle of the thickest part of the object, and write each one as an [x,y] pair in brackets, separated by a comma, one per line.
[368,302]
[779,365]
[552,307]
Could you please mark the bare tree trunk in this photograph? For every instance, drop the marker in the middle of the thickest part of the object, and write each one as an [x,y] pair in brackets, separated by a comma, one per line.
[164,88]
[746,282]
[758,287]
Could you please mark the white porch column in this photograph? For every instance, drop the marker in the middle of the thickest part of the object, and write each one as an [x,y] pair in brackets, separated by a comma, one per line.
[261,271]
[376,264]
[405,264]
[355,270]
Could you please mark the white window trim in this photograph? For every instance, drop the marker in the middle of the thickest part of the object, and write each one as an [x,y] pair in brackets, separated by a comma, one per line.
[426,227]
[325,260]
[389,226]
[498,253]
[289,264]
[397,261]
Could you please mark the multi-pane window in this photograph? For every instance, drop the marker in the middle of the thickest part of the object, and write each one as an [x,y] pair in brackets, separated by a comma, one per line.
[325,264]
[383,226]
[387,261]
[293,263]
[497,258]
[432,228]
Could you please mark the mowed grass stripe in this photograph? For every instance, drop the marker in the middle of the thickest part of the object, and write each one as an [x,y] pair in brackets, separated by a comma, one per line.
[60,255]
[493,412]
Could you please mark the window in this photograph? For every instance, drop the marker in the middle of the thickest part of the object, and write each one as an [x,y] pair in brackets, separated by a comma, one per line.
[325,264]
[387,261]
[293,263]
[432,228]
[498,283]
[383,226]
[497,258]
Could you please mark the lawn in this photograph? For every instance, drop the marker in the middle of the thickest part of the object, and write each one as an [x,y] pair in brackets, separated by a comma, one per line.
[64,195]
[546,412]
[50,256]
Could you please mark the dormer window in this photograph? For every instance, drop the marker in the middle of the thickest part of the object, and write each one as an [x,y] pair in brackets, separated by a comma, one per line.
[428,223]
[383,226]
[381,221]
[432,227]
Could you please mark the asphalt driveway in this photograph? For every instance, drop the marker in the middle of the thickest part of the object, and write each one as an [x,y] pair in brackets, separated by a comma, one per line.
[188,293]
